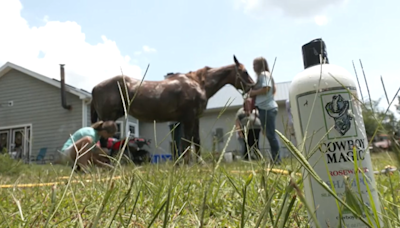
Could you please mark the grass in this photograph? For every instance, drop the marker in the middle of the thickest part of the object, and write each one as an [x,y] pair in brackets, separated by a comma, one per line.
[239,194]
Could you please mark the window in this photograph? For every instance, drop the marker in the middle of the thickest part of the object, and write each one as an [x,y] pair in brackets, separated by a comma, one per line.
[132,127]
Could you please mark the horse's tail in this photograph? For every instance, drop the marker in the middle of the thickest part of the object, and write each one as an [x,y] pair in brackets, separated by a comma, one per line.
[93,113]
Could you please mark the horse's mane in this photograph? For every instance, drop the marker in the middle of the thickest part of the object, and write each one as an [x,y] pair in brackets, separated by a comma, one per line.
[200,74]
[172,75]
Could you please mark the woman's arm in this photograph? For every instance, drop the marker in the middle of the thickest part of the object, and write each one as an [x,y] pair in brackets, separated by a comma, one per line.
[259,91]
[265,81]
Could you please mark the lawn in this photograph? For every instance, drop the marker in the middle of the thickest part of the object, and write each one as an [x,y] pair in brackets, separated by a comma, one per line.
[238,194]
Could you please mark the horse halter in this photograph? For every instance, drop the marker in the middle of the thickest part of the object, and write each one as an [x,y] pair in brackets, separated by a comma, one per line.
[242,81]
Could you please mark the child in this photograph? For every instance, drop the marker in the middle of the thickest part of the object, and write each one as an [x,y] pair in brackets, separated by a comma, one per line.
[83,143]
[247,122]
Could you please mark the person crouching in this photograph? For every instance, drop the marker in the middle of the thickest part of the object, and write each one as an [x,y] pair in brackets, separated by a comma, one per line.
[82,145]
[247,122]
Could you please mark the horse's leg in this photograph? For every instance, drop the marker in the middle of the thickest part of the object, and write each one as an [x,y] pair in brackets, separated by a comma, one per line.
[196,139]
[188,128]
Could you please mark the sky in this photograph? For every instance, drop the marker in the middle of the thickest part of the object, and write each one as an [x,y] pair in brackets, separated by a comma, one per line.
[97,39]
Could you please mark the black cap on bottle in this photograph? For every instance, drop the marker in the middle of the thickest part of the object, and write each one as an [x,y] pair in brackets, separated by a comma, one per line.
[311,52]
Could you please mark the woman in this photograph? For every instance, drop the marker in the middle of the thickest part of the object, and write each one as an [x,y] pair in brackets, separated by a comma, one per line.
[83,140]
[264,91]
[248,123]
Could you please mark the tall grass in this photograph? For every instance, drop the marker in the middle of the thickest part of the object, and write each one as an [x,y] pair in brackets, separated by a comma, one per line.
[218,194]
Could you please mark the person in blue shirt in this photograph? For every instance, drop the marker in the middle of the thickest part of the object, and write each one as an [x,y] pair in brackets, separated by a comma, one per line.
[264,91]
[86,139]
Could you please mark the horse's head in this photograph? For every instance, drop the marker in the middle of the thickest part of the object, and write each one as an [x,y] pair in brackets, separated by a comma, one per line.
[243,80]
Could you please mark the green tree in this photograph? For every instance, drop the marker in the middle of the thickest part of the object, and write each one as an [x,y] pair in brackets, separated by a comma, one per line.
[370,117]
[376,118]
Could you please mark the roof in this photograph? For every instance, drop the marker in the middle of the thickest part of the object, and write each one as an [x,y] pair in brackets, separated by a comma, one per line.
[230,97]
[82,94]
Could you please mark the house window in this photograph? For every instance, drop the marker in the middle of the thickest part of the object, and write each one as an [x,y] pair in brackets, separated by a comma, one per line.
[132,127]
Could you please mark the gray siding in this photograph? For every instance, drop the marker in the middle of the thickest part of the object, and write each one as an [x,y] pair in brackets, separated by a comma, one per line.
[39,104]
[159,141]
[208,123]
[89,119]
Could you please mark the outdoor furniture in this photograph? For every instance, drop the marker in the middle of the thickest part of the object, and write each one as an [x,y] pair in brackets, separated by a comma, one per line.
[40,157]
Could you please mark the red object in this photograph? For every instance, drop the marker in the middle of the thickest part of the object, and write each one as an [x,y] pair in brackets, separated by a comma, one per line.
[116,144]
[253,103]
[110,142]
[249,105]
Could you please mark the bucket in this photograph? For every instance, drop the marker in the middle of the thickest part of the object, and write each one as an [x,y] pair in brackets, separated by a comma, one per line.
[228,157]
[157,158]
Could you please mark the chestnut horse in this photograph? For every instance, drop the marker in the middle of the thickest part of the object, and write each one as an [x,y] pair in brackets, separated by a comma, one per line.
[180,97]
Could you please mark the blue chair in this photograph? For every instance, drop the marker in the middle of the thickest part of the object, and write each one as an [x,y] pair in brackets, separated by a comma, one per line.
[41,155]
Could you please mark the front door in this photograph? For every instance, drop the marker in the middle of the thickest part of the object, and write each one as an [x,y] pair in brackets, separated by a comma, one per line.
[16,142]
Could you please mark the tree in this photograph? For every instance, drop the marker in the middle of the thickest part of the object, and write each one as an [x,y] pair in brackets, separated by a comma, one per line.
[398,104]
[370,117]
[375,118]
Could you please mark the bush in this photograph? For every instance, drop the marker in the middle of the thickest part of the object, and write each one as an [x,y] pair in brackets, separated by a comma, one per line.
[9,166]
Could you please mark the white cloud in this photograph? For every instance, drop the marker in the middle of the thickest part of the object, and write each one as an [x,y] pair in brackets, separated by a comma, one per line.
[299,10]
[321,20]
[42,49]
[148,49]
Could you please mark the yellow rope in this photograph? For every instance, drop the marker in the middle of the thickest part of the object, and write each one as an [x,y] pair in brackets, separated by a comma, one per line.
[284,172]
[52,183]
[280,171]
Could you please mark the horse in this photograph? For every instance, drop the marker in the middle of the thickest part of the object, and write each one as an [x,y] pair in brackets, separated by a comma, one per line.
[181,97]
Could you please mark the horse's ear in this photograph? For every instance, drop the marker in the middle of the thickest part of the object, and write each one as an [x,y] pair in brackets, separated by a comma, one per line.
[236,61]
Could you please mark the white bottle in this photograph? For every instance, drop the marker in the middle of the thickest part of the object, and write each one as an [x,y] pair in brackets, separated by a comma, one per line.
[339,113]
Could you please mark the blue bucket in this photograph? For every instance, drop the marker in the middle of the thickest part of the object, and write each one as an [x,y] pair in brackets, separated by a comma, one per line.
[157,158]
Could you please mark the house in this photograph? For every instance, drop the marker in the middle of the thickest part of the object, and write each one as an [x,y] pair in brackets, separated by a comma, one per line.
[219,118]
[33,121]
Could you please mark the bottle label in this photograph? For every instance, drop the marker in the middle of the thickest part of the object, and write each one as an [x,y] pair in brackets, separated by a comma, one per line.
[334,127]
